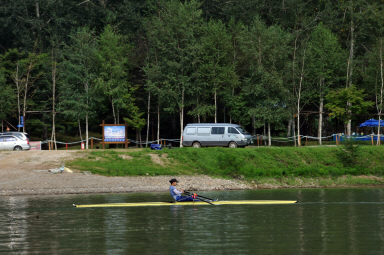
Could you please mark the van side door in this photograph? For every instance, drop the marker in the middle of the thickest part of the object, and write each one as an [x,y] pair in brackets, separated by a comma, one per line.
[204,136]
[217,135]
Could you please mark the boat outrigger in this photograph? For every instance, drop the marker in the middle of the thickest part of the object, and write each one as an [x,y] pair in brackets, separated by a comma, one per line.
[230,202]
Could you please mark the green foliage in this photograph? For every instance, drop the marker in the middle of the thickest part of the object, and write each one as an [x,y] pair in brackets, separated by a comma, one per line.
[76,75]
[112,63]
[345,103]
[324,57]
[349,152]
[239,61]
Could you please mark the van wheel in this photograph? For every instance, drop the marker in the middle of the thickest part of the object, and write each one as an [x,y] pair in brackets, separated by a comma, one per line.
[196,145]
[17,148]
[232,145]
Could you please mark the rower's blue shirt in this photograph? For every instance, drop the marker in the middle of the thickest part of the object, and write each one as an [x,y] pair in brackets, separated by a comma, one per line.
[175,193]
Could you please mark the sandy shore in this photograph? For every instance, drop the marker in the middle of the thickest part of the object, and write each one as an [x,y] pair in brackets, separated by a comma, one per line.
[27,173]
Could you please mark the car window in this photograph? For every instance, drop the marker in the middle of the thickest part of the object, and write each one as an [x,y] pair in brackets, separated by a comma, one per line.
[191,131]
[203,130]
[242,131]
[218,130]
[232,130]
[9,138]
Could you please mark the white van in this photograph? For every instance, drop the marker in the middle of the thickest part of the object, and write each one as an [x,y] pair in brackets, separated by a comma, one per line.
[215,134]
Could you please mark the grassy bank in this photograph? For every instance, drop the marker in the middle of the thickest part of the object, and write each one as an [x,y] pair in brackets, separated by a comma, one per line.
[287,166]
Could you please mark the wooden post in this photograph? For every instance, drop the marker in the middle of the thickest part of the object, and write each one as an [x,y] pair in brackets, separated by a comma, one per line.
[337,137]
[258,144]
[372,139]
[92,143]
[306,140]
[126,135]
[102,131]
[66,146]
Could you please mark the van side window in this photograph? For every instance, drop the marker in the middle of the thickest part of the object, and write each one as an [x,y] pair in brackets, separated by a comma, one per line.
[191,131]
[232,130]
[218,130]
[203,130]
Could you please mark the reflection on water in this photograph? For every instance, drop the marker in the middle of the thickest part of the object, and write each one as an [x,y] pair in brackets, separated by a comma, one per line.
[325,221]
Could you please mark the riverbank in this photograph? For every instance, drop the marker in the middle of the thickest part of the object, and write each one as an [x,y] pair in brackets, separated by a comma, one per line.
[142,170]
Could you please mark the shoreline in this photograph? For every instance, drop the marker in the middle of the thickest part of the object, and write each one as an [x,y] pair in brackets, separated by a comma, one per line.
[28,173]
[160,184]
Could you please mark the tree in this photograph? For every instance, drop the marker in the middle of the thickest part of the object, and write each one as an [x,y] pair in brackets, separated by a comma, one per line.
[112,57]
[173,36]
[77,76]
[324,61]
[216,70]
[340,108]
[267,49]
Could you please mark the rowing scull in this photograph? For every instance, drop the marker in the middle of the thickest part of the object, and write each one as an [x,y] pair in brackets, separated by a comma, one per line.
[232,202]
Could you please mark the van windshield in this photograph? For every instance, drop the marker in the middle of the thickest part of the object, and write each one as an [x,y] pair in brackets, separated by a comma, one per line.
[241,130]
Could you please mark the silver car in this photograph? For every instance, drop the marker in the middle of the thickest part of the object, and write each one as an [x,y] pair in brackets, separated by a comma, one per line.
[13,142]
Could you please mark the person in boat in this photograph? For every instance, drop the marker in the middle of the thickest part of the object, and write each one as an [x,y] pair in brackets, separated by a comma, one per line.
[177,194]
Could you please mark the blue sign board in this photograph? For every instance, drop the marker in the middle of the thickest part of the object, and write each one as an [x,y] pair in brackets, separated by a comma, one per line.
[21,120]
[114,133]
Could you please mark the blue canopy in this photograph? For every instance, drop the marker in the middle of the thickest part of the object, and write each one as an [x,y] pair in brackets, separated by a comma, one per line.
[371,123]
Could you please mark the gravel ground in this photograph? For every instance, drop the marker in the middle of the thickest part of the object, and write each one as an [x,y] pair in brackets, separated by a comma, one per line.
[27,173]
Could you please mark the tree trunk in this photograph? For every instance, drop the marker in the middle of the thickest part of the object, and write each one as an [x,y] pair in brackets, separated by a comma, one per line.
[80,134]
[215,96]
[321,106]
[86,131]
[113,111]
[148,110]
[37,9]
[26,92]
[253,126]
[320,129]
[350,70]
[158,122]
[182,117]
[299,100]
[380,106]
[198,113]
[269,135]
[18,89]
[86,115]
[294,130]
[289,127]
[230,114]
[53,136]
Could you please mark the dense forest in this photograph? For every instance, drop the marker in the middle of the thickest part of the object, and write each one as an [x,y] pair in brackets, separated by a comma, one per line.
[277,67]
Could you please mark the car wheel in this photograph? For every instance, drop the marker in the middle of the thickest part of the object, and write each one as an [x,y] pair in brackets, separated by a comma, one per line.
[232,145]
[17,148]
[196,145]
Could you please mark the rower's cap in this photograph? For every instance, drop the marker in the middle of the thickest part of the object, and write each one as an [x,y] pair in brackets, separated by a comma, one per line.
[173,180]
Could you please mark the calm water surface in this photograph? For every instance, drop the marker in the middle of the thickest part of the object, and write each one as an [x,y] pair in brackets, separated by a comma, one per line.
[325,221]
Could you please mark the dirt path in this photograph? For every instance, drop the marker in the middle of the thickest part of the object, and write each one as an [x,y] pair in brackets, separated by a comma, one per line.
[27,172]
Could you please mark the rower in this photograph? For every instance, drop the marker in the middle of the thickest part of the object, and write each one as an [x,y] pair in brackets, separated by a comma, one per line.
[177,194]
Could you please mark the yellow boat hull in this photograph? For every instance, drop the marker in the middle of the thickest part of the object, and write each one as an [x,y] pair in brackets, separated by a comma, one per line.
[233,202]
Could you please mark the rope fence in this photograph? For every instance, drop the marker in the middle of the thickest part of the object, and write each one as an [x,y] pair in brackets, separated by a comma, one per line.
[257,140]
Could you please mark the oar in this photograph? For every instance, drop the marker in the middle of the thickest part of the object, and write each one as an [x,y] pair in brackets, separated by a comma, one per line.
[200,198]
[189,193]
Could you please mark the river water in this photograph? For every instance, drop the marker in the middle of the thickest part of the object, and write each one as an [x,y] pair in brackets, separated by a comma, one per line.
[325,221]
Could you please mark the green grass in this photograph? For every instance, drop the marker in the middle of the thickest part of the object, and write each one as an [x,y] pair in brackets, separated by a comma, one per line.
[241,163]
